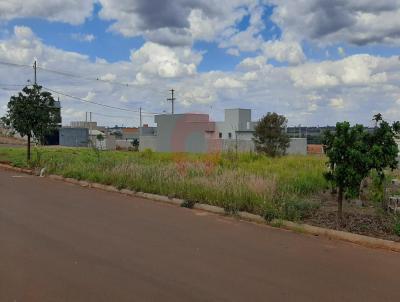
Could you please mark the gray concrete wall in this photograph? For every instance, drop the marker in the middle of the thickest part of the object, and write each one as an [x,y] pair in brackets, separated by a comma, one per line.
[147,131]
[239,118]
[148,142]
[241,145]
[298,146]
[245,136]
[235,120]
[83,124]
[182,132]
[111,143]
[74,137]
[224,129]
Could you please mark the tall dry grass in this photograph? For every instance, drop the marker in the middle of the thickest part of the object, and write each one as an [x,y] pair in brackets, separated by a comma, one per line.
[273,187]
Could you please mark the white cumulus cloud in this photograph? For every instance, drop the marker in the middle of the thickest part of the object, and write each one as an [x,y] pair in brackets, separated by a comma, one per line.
[68,11]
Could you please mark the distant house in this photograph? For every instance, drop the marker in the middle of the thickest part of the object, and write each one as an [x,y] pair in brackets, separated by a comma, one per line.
[196,133]
[130,133]
[86,134]
[84,124]
[74,137]
[101,141]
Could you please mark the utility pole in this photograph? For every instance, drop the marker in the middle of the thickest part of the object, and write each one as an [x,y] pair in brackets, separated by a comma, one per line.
[140,113]
[172,99]
[35,71]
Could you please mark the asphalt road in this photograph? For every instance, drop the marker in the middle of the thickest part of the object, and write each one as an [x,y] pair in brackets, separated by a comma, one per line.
[60,242]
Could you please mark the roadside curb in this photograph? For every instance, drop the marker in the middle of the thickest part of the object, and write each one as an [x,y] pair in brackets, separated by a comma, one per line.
[21,170]
[362,240]
[209,208]
[340,235]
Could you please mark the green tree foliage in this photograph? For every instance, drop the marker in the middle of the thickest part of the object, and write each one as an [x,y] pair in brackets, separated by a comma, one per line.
[32,113]
[135,144]
[353,152]
[2,123]
[270,136]
[383,147]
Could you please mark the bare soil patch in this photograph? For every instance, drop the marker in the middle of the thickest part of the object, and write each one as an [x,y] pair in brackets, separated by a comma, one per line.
[11,140]
[368,219]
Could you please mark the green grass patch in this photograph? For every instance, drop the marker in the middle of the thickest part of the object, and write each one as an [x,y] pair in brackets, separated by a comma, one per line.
[276,188]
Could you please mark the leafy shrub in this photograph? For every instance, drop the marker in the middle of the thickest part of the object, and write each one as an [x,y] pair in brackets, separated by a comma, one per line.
[376,190]
[36,162]
[230,207]
[271,212]
[188,204]
[298,210]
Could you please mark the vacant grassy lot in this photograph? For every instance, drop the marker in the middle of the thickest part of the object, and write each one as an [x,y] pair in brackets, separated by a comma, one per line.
[274,188]
[291,187]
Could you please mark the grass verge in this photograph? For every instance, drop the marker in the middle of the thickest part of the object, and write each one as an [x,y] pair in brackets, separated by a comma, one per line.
[275,188]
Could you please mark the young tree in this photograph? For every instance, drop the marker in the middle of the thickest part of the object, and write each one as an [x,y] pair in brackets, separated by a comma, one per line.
[100,139]
[32,113]
[353,152]
[135,144]
[270,136]
[383,147]
[349,163]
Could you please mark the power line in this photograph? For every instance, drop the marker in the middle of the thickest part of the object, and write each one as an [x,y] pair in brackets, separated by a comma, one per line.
[36,67]
[14,64]
[111,116]
[71,75]
[3,87]
[87,101]
[95,103]
[76,76]
[98,79]
[67,74]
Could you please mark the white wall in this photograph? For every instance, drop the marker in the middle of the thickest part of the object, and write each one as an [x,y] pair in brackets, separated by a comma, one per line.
[123,144]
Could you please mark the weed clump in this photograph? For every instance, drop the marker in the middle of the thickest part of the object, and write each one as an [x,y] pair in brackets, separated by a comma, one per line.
[188,204]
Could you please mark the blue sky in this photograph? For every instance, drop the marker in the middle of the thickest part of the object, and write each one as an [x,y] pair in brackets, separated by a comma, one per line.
[316,62]
[114,47]
[107,45]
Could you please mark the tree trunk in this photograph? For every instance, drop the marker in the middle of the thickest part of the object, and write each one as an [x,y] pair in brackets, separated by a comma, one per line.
[340,204]
[29,148]
[333,187]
